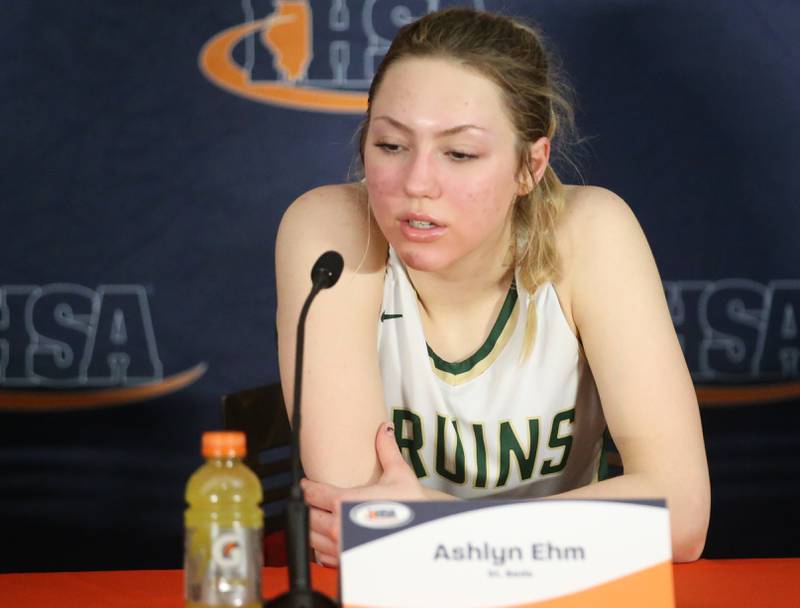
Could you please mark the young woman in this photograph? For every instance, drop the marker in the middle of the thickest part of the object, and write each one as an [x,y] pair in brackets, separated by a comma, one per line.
[489,321]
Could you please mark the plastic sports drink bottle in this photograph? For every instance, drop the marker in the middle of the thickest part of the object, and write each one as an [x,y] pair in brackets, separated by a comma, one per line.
[224,526]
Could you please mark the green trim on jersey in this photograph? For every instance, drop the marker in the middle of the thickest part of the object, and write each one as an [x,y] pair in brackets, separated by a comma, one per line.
[456,373]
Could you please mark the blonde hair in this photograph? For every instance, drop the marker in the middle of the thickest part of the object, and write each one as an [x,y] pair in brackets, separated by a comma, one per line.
[512,55]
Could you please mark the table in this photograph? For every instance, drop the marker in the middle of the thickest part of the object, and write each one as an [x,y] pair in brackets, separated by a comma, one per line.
[762,583]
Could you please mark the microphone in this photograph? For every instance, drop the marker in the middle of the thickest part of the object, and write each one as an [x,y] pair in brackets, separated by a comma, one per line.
[326,271]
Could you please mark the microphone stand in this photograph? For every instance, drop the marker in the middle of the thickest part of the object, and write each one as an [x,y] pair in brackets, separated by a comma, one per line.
[325,273]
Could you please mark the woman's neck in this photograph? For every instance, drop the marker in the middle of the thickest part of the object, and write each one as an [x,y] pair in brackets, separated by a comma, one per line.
[450,290]
[471,284]
[459,306]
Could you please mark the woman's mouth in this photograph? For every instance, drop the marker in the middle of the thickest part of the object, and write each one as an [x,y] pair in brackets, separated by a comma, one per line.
[422,224]
[421,230]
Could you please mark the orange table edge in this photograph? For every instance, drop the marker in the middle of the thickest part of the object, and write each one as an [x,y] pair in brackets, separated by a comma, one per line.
[765,583]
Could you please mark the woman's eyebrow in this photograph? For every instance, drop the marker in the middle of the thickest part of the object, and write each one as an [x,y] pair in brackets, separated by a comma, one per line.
[443,133]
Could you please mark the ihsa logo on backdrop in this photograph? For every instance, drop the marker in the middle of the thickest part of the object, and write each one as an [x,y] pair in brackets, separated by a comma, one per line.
[317,55]
[740,336]
[60,337]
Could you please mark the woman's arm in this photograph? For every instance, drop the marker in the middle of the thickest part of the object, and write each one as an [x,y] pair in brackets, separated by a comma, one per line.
[620,312]
[342,395]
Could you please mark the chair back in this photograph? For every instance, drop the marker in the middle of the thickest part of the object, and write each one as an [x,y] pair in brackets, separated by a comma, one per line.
[260,413]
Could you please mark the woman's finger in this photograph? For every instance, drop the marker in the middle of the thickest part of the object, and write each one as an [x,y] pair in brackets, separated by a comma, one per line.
[328,561]
[324,523]
[319,495]
[322,544]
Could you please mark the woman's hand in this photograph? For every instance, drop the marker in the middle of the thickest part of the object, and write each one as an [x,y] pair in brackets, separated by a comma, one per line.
[397,482]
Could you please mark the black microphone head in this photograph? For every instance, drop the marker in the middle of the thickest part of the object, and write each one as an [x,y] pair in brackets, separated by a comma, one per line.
[327,269]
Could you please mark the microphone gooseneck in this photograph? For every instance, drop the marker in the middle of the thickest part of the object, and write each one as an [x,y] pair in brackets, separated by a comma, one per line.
[324,274]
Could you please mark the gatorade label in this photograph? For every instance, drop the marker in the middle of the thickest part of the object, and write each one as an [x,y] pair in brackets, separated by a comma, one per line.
[228,550]
[224,568]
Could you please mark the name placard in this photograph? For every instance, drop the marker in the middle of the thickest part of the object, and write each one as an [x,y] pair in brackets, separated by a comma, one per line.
[471,554]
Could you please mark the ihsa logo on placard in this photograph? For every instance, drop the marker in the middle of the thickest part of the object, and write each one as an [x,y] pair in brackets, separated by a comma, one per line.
[315,55]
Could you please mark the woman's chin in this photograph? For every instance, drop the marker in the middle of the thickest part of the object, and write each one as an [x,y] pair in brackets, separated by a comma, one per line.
[422,261]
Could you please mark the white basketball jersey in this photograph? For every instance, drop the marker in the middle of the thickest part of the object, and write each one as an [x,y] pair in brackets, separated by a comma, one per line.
[495,424]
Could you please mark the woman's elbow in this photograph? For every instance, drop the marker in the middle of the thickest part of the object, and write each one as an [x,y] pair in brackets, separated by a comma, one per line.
[690,525]
[689,548]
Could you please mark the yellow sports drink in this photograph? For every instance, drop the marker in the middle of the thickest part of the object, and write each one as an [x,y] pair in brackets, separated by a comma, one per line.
[224,525]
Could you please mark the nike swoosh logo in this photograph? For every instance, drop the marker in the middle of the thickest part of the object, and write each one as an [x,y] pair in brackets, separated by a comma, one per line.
[385,316]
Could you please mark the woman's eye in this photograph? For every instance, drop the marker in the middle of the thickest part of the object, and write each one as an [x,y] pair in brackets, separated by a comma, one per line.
[461,156]
[387,147]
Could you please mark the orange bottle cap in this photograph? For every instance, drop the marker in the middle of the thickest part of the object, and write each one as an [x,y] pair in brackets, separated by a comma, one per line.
[224,444]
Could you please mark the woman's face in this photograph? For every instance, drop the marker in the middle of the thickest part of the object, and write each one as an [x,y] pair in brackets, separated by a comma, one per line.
[441,164]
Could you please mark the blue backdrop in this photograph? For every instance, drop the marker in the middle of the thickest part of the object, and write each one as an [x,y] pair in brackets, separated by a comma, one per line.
[149,150]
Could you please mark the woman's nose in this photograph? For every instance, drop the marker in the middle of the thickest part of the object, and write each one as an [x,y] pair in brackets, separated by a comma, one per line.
[421,180]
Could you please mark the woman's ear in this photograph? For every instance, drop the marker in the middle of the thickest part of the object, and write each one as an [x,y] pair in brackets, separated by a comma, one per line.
[538,159]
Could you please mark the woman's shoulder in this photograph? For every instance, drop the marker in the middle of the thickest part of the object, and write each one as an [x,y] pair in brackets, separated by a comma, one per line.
[596,237]
[320,204]
[594,219]
[334,217]
[587,206]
